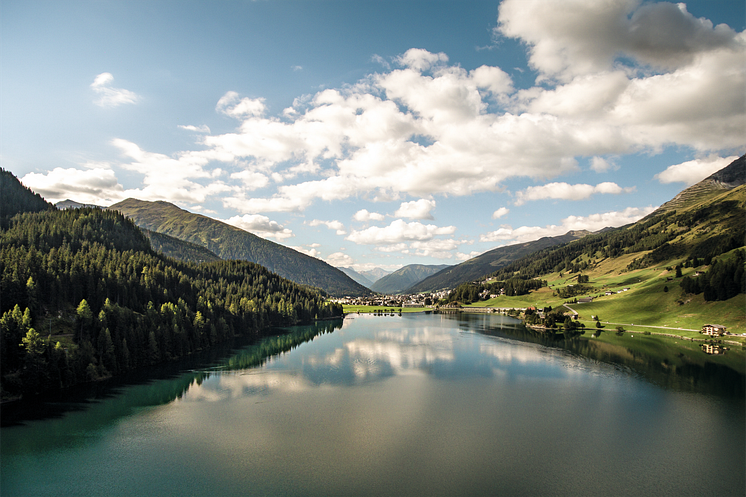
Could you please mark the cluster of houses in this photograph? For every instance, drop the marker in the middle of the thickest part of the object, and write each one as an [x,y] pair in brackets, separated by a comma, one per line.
[415,300]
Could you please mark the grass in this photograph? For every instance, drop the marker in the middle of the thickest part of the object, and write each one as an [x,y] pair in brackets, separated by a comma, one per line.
[645,304]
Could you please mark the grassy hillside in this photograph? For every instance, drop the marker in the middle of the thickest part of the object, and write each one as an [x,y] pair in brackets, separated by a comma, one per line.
[488,262]
[231,243]
[404,278]
[683,266]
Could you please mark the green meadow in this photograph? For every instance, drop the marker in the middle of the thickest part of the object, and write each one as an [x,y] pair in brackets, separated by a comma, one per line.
[652,300]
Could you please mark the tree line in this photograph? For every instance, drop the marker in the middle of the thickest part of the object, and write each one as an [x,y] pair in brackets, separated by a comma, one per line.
[118,304]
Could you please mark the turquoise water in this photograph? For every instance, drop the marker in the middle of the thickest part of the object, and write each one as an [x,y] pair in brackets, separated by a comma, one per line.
[397,405]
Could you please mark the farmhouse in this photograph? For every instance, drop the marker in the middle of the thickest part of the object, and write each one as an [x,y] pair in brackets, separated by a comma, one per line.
[714,330]
[585,300]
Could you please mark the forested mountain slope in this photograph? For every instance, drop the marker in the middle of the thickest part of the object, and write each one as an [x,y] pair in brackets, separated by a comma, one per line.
[488,262]
[84,296]
[16,198]
[179,249]
[229,242]
[403,278]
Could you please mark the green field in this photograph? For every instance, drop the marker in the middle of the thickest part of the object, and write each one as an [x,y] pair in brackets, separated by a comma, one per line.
[646,303]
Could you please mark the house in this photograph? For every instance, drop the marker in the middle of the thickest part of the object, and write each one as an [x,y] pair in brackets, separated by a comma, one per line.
[609,292]
[714,330]
[585,300]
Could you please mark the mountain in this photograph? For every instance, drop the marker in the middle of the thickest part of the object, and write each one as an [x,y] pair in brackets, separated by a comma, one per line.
[729,177]
[356,276]
[16,198]
[72,204]
[179,249]
[231,243]
[700,224]
[375,274]
[107,303]
[404,278]
[488,263]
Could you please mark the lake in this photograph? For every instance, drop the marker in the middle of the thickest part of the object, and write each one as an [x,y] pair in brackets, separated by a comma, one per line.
[418,404]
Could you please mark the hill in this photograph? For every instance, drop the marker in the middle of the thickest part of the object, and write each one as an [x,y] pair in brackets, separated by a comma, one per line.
[231,243]
[108,303]
[357,277]
[402,279]
[682,266]
[16,198]
[179,249]
[487,263]
[729,177]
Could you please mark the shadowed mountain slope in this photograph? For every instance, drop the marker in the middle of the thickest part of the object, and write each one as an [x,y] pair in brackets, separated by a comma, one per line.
[488,263]
[231,243]
[402,279]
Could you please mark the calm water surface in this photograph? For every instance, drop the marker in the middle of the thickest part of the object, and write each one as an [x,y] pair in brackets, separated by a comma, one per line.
[410,405]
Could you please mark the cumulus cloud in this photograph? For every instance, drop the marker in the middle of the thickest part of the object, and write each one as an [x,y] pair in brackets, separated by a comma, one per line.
[565,191]
[108,96]
[260,226]
[95,185]
[502,211]
[417,209]
[594,222]
[578,37]
[364,216]
[339,259]
[398,231]
[694,171]
[601,165]
[232,105]
[332,225]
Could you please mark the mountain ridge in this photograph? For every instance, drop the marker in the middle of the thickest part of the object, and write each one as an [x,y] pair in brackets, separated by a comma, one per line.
[405,277]
[232,243]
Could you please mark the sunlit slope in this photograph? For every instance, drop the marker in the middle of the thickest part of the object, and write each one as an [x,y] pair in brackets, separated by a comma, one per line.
[705,224]
[231,243]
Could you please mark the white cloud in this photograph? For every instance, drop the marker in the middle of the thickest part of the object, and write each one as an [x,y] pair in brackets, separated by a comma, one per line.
[199,129]
[339,259]
[232,105]
[398,231]
[694,171]
[260,226]
[417,209]
[96,185]
[108,96]
[576,37]
[465,257]
[601,165]
[566,191]
[594,222]
[420,59]
[251,180]
[308,251]
[502,211]
[364,216]
[332,225]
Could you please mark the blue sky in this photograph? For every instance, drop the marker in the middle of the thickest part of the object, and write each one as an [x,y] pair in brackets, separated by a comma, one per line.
[375,134]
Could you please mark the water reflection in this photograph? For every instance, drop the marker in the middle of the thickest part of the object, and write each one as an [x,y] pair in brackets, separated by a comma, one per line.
[416,405]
